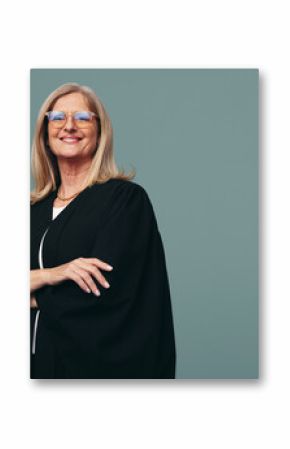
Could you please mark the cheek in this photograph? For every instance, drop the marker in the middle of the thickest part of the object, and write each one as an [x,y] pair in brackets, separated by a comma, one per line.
[52,135]
[92,137]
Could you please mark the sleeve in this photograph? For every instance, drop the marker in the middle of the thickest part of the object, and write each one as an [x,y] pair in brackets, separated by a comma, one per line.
[128,331]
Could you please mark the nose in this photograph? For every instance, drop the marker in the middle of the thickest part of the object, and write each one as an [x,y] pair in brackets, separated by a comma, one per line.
[70,124]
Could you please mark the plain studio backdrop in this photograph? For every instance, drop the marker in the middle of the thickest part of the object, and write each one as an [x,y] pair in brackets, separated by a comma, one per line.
[192,135]
[202,413]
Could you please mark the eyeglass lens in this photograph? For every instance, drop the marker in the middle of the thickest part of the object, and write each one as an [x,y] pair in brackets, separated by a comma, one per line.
[58,118]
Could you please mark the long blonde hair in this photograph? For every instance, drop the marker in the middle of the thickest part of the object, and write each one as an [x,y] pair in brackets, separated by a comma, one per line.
[44,163]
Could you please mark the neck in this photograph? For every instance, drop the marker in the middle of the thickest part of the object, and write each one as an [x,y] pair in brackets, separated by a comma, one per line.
[73,179]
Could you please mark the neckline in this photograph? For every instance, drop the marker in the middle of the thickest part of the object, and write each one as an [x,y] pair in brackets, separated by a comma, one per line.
[69,206]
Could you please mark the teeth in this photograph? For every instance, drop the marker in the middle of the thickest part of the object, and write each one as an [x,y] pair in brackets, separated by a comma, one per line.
[70,139]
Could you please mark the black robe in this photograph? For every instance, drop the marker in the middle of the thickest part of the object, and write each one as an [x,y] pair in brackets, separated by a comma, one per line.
[128,331]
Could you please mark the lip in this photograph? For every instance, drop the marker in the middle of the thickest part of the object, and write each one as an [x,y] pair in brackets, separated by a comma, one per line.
[71,140]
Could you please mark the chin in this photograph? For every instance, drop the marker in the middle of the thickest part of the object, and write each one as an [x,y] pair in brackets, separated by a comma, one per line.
[69,154]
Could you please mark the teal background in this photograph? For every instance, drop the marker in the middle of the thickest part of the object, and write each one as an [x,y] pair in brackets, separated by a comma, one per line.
[192,135]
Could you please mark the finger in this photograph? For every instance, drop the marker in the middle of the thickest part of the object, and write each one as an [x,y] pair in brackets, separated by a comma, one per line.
[93,270]
[78,280]
[99,263]
[98,275]
[84,280]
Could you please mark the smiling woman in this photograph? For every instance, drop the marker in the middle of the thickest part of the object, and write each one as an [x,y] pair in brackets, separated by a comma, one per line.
[67,138]
[87,217]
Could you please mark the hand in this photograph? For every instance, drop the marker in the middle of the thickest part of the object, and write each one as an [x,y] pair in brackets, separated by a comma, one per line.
[33,303]
[81,271]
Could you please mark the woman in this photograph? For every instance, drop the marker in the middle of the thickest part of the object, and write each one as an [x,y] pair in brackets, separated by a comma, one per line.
[99,293]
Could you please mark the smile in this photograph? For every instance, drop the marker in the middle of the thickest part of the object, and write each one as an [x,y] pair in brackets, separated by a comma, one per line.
[71,139]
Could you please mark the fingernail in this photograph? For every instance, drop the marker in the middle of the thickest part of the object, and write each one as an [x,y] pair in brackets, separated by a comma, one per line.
[97,292]
[88,290]
[109,266]
[106,284]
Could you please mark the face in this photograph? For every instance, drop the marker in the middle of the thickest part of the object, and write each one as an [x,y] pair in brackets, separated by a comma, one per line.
[71,141]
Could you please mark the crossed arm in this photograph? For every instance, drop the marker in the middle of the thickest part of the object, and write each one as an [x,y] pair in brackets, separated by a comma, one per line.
[81,271]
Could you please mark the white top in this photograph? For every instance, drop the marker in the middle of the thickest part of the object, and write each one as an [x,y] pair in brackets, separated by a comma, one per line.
[56,211]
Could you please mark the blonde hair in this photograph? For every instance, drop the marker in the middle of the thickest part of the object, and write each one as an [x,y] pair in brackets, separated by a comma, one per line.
[44,163]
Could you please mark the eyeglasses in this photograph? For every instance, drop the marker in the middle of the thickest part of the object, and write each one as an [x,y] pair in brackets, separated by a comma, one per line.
[82,119]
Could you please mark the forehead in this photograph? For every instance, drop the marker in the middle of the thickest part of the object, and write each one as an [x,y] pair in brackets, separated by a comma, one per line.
[74,101]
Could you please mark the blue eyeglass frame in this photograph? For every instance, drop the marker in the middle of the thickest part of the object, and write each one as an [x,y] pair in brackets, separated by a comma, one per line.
[89,113]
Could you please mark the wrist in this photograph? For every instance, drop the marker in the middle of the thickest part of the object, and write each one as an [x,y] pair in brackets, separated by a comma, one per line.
[46,276]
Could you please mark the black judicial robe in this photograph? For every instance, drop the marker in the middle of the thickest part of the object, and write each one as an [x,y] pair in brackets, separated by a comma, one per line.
[128,331]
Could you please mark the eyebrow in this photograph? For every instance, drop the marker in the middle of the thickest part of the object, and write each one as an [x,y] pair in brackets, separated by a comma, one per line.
[78,110]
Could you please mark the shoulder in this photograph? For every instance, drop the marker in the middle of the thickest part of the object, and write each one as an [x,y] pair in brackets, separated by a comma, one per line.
[126,198]
[42,204]
[124,185]
[120,190]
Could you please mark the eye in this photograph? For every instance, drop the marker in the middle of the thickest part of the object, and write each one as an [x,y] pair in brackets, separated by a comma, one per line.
[55,116]
[82,116]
